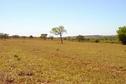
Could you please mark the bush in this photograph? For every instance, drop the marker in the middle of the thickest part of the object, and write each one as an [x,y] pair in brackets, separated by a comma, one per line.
[122,34]
[31,36]
[80,38]
[97,40]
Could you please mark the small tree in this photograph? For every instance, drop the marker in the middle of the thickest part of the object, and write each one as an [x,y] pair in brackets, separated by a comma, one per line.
[59,31]
[44,36]
[31,36]
[97,40]
[122,34]
[80,38]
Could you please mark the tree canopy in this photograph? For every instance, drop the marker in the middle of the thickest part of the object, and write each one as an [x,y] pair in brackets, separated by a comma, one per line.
[122,34]
[59,31]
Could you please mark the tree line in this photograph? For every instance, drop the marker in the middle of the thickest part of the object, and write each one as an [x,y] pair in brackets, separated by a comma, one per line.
[7,36]
[121,36]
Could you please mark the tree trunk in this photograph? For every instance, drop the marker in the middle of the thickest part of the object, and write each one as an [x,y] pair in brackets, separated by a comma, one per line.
[61,38]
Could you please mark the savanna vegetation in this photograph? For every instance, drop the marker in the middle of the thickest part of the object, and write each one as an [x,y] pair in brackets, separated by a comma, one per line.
[37,61]
[72,60]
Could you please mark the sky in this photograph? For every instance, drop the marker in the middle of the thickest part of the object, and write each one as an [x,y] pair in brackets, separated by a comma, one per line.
[79,17]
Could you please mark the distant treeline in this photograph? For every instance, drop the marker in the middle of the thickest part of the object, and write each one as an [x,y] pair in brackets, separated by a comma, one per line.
[79,38]
[93,38]
[7,36]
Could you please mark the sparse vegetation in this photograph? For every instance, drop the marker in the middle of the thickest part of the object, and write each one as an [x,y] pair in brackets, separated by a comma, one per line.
[97,40]
[4,36]
[45,61]
[51,37]
[35,50]
[80,38]
[15,36]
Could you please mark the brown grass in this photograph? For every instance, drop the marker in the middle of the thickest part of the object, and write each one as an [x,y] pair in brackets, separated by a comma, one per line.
[32,61]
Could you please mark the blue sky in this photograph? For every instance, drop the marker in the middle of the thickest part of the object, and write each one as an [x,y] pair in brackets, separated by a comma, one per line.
[87,17]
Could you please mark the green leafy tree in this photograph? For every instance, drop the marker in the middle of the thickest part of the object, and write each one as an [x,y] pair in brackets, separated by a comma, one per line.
[122,34]
[59,31]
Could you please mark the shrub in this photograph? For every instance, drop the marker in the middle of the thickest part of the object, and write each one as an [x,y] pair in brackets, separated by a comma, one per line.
[31,36]
[80,38]
[97,40]
[122,34]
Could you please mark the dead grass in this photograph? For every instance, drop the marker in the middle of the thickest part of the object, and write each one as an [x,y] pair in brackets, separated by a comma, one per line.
[33,61]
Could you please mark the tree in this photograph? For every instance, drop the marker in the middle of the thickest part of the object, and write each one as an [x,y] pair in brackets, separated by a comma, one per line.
[59,31]
[44,36]
[122,34]
[31,36]
[4,36]
[80,38]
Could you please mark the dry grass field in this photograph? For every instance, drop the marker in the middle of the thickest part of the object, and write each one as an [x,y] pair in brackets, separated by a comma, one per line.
[30,61]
